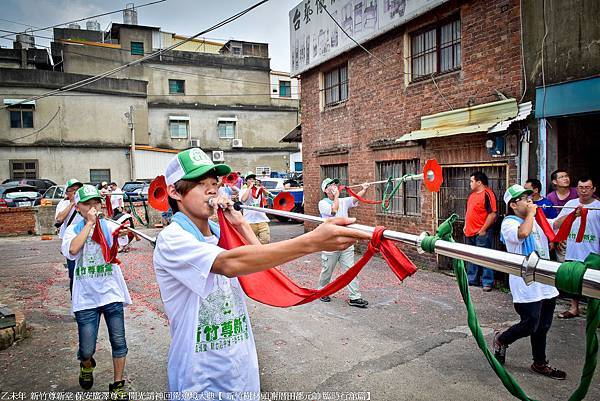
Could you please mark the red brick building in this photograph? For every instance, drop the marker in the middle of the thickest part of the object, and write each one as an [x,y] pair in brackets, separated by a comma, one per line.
[363,118]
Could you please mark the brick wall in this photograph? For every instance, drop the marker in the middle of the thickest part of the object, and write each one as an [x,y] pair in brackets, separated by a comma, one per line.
[382,106]
[17,221]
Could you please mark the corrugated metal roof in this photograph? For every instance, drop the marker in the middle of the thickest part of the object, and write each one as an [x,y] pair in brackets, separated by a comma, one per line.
[524,112]
[478,118]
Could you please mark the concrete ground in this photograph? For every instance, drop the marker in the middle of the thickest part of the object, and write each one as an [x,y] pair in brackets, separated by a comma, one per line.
[412,343]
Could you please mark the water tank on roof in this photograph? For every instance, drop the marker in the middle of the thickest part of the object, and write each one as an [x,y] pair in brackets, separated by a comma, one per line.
[24,41]
[74,26]
[130,14]
[92,25]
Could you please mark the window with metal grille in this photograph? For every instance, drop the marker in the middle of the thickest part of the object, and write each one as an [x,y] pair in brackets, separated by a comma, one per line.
[23,169]
[285,89]
[176,86]
[99,175]
[339,171]
[263,171]
[179,128]
[21,117]
[336,85]
[436,50]
[226,129]
[407,200]
[137,48]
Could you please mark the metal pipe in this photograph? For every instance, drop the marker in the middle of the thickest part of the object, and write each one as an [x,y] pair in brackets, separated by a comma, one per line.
[152,240]
[568,207]
[531,268]
[414,177]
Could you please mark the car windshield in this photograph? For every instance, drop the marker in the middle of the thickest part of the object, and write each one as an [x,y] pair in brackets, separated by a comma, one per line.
[13,195]
[132,186]
[270,184]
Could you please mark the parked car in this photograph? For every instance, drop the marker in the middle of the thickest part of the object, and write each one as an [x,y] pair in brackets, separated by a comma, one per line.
[130,188]
[276,185]
[139,194]
[54,195]
[41,185]
[19,195]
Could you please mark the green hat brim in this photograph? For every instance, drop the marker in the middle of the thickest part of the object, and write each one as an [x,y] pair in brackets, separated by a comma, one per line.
[89,197]
[219,169]
[525,192]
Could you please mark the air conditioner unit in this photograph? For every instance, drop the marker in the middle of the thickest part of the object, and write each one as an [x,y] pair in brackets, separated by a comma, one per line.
[194,143]
[236,143]
[218,156]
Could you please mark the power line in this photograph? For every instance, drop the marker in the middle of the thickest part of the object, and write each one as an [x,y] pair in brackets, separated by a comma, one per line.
[40,129]
[184,72]
[348,35]
[25,33]
[20,23]
[91,16]
[90,80]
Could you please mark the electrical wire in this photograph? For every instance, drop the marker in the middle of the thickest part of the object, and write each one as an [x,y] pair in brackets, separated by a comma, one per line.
[38,130]
[90,17]
[348,35]
[95,78]
[20,23]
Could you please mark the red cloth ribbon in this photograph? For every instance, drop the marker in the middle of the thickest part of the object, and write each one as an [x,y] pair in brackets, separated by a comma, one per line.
[256,192]
[273,287]
[108,252]
[565,228]
[109,210]
[360,198]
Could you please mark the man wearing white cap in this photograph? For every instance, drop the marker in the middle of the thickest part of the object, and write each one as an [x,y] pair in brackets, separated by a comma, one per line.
[534,302]
[66,215]
[212,353]
[334,206]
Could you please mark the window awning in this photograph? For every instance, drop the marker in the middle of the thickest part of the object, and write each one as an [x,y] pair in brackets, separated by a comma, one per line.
[467,120]
[524,112]
[179,118]
[13,101]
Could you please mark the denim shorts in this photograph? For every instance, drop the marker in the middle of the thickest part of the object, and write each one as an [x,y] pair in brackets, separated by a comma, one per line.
[88,321]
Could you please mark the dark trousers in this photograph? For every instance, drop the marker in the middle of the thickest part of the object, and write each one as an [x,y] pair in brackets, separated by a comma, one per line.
[476,272]
[71,268]
[536,319]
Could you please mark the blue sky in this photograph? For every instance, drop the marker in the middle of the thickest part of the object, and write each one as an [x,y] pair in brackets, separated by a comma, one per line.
[267,23]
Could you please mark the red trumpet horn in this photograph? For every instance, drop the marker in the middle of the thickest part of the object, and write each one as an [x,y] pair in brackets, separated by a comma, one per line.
[157,194]
[230,178]
[284,201]
[432,175]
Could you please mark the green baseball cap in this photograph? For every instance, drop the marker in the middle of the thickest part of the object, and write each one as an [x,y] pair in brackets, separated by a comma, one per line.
[515,191]
[72,182]
[192,163]
[327,181]
[87,192]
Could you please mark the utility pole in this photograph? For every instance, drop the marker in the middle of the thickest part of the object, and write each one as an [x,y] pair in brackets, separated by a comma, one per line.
[129,116]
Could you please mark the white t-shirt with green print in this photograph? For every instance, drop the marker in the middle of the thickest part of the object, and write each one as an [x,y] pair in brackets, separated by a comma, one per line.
[591,238]
[212,349]
[95,283]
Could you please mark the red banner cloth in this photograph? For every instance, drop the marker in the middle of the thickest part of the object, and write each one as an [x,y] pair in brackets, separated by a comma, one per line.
[109,210]
[360,198]
[273,287]
[109,253]
[565,228]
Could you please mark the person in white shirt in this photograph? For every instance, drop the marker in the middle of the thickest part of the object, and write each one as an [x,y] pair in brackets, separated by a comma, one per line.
[578,251]
[332,205]
[99,289]
[212,353]
[253,195]
[116,198]
[66,215]
[535,302]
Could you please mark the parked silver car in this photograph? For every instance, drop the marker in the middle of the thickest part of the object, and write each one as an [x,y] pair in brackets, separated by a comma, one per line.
[54,194]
